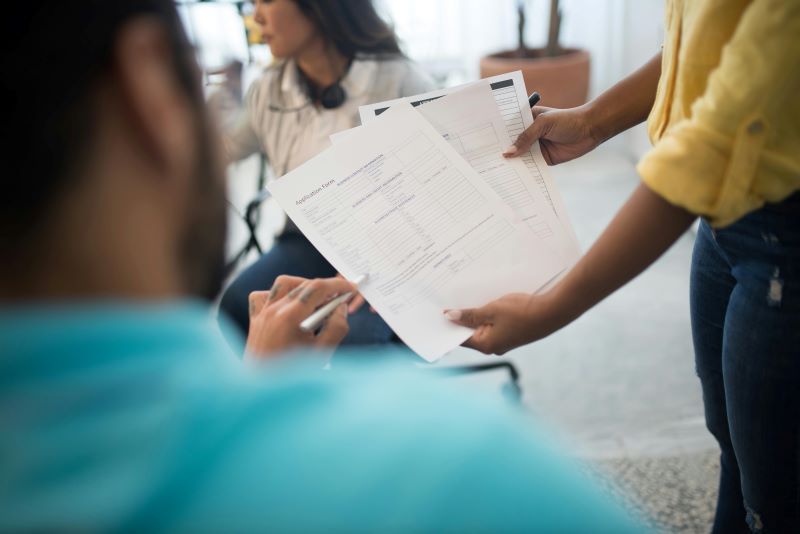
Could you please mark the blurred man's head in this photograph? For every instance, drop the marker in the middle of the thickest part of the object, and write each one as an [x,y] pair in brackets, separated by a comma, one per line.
[112,186]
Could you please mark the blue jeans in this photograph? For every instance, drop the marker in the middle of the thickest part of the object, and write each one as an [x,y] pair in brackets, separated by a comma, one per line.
[293,254]
[745,306]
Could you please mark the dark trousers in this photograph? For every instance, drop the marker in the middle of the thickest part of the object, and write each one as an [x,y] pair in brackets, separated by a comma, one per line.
[745,307]
[293,254]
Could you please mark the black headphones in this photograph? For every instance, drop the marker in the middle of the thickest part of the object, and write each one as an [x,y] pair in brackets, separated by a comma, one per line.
[330,97]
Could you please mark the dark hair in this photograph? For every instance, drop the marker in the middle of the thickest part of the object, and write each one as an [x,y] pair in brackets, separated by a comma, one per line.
[53,55]
[353,26]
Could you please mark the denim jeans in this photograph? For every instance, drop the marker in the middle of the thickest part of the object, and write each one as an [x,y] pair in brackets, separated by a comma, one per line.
[293,254]
[745,306]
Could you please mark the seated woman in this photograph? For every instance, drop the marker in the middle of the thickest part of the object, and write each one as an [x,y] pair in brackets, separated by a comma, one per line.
[334,56]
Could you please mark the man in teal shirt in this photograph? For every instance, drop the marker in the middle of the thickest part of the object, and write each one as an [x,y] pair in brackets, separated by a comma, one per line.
[121,407]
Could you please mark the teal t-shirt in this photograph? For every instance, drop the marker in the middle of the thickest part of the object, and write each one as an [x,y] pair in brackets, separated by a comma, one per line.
[137,417]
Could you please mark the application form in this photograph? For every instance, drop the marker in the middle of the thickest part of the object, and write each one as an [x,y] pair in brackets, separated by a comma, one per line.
[394,200]
[471,122]
[508,91]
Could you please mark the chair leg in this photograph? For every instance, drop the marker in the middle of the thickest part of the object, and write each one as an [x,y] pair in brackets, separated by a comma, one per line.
[511,390]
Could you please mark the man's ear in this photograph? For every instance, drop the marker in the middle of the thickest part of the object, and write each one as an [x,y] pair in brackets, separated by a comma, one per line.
[157,106]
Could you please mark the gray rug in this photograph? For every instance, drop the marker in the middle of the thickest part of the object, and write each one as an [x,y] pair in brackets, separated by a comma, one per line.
[672,493]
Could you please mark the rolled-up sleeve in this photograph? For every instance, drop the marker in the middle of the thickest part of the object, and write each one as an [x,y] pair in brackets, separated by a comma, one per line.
[739,147]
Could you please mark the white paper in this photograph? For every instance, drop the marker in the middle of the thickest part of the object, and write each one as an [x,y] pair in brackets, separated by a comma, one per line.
[394,200]
[471,122]
[508,91]
[344,134]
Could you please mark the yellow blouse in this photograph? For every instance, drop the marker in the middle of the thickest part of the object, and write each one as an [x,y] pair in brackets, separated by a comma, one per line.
[726,121]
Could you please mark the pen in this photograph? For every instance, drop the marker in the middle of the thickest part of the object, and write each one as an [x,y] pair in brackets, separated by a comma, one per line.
[534,98]
[313,321]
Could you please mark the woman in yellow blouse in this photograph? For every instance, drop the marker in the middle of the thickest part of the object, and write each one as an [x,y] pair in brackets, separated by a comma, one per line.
[723,100]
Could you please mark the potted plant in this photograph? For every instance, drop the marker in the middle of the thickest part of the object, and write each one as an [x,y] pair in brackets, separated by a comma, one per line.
[560,75]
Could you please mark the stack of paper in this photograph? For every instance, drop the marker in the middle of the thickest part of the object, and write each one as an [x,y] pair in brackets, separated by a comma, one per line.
[420,198]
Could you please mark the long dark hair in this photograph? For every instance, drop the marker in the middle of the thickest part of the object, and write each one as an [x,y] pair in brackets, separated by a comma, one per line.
[352,26]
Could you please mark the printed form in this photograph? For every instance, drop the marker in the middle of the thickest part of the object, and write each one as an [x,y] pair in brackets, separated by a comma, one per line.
[395,201]
[470,121]
[511,100]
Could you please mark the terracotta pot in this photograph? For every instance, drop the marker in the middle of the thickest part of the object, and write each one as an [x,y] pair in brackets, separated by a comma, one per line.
[563,81]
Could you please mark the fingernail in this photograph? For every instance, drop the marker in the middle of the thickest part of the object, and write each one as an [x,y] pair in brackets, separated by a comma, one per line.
[511,151]
[273,293]
[453,315]
[294,292]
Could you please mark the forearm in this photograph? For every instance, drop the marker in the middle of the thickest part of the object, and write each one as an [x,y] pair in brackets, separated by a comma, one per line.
[644,228]
[626,104]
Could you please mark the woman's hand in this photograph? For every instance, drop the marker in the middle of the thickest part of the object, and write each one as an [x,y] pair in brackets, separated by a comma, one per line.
[356,302]
[275,315]
[563,134]
[511,321]
[645,227]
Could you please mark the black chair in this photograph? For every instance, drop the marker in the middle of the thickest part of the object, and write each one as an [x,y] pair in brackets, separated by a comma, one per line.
[251,218]
[511,390]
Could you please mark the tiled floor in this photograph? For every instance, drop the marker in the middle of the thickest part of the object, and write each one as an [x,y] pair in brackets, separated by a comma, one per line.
[618,385]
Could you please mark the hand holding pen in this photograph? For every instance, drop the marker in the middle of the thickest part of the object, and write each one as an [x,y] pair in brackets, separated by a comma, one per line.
[276,315]
[314,321]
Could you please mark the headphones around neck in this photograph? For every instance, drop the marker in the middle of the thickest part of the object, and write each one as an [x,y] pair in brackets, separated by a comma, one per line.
[330,97]
[333,96]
